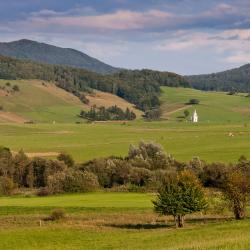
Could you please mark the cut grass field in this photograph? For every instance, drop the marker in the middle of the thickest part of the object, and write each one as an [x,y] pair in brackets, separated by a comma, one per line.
[210,142]
[112,221]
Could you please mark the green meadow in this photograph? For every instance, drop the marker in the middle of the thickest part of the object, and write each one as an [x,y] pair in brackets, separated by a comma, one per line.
[108,220]
[111,221]
[183,140]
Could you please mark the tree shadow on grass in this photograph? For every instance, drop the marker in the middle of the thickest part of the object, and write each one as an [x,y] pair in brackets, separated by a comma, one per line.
[140,226]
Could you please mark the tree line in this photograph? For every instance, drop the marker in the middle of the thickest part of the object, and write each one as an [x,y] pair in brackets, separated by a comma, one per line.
[113,113]
[146,168]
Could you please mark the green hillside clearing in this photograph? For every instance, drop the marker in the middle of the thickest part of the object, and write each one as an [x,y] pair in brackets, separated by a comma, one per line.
[213,107]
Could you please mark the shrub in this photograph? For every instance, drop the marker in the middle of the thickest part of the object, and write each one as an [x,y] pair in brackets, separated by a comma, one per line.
[16,88]
[214,175]
[6,186]
[140,176]
[57,214]
[66,158]
[78,181]
[43,192]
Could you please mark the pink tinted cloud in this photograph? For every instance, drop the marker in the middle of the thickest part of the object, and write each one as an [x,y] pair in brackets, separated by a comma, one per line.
[120,20]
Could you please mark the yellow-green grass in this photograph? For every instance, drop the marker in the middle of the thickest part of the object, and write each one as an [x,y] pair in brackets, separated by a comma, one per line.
[210,142]
[213,107]
[40,103]
[116,221]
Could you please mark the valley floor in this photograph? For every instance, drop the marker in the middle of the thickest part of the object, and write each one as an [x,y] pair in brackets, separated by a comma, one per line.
[224,142]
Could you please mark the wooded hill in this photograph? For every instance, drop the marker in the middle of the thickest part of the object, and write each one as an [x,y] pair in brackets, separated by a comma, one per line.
[237,79]
[141,88]
[45,53]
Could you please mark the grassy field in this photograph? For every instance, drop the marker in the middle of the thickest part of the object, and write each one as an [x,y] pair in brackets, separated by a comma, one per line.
[86,141]
[112,221]
[213,107]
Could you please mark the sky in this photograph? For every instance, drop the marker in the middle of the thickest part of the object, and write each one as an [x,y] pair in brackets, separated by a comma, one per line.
[182,36]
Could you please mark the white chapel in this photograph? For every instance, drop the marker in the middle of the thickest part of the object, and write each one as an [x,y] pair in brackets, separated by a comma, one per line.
[194,117]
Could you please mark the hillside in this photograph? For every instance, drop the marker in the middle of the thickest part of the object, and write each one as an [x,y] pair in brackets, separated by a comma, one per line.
[237,79]
[213,107]
[44,102]
[142,88]
[45,53]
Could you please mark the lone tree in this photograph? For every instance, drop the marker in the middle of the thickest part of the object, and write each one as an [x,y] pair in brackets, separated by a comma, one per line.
[237,191]
[186,113]
[180,196]
[193,102]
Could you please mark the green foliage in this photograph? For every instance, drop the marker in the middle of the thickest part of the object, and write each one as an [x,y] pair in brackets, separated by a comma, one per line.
[182,195]
[237,189]
[112,113]
[151,153]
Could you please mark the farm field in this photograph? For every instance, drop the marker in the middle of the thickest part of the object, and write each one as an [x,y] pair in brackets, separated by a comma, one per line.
[111,221]
[210,142]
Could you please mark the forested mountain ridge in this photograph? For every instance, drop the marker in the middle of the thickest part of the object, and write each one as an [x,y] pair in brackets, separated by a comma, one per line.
[141,88]
[45,53]
[237,79]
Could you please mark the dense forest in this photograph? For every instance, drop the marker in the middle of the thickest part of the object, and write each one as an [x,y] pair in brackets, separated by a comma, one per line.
[231,80]
[141,88]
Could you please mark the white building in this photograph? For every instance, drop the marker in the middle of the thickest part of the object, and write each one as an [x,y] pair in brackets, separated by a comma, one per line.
[194,117]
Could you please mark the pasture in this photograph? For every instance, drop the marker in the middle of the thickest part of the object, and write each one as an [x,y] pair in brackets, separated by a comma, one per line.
[183,140]
[111,221]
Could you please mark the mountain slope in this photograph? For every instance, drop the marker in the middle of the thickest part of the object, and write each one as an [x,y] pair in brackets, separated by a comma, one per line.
[237,79]
[45,53]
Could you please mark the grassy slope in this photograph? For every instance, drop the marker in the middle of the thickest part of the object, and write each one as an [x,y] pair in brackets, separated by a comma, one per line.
[94,229]
[49,103]
[213,107]
[41,104]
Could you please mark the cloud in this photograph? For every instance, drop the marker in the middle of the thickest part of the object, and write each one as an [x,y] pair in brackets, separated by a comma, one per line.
[239,58]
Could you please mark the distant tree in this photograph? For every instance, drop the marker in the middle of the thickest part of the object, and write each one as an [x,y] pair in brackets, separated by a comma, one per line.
[186,113]
[153,114]
[1,108]
[180,196]
[232,92]
[16,88]
[193,102]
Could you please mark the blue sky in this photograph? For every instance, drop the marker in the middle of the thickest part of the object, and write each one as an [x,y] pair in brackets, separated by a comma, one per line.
[183,36]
